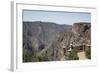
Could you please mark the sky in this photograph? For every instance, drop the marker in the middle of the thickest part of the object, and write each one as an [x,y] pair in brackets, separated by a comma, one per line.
[58,17]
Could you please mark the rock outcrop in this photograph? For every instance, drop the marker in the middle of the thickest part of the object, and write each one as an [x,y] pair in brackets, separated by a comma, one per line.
[79,39]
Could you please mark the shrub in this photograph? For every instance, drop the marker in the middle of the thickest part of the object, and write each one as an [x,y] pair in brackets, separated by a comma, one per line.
[42,57]
[27,57]
[30,57]
[88,53]
[72,55]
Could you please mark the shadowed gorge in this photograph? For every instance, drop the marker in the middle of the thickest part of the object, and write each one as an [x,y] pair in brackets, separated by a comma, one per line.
[48,41]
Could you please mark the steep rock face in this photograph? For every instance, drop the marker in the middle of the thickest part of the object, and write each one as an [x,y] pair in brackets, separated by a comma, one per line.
[77,38]
[59,47]
[39,35]
[81,34]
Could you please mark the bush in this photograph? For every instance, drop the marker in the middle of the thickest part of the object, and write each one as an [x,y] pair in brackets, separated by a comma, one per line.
[72,55]
[42,57]
[30,57]
[88,53]
[27,57]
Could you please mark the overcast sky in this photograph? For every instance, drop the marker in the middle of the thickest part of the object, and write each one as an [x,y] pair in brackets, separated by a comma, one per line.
[57,17]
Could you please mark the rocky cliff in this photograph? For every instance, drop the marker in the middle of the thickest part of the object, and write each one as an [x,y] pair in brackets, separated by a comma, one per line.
[46,41]
[69,43]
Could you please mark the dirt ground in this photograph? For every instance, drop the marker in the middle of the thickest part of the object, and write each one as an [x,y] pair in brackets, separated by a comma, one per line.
[81,55]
